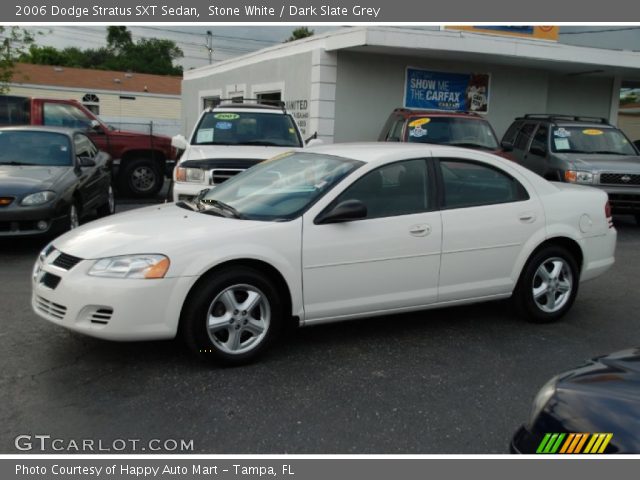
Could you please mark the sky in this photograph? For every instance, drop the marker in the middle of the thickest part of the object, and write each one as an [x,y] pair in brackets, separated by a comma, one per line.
[233,41]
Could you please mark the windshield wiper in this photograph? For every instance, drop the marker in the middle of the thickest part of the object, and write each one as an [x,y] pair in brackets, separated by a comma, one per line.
[609,152]
[221,207]
[263,143]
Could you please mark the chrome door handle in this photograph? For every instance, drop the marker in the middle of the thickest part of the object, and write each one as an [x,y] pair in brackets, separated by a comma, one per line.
[527,217]
[421,230]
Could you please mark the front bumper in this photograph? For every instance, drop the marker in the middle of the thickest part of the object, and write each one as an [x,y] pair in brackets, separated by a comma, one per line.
[524,442]
[623,200]
[16,220]
[107,308]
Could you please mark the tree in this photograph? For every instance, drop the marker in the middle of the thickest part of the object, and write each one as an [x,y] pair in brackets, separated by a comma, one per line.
[15,41]
[118,39]
[298,33]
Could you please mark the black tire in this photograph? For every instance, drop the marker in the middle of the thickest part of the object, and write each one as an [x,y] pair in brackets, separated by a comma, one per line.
[109,207]
[543,310]
[140,178]
[205,303]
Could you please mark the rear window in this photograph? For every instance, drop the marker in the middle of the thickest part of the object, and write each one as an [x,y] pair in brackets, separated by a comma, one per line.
[14,111]
[459,131]
[246,128]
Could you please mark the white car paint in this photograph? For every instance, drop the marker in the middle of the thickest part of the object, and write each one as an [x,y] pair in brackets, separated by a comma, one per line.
[333,271]
[203,152]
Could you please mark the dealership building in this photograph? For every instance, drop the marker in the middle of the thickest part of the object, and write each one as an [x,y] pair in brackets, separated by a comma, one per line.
[343,84]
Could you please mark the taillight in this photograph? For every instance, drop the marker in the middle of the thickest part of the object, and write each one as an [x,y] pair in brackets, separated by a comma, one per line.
[607,213]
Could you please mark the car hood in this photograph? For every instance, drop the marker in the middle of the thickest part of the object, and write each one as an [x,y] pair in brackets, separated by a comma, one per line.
[604,163]
[151,230]
[17,179]
[207,152]
[613,375]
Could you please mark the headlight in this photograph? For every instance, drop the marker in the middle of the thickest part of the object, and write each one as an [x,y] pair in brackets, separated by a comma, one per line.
[542,398]
[38,198]
[576,176]
[193,175]
[131,266]
[46,251]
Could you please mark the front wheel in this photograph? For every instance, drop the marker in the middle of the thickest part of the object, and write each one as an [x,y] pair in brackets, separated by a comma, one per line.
[232,317]
[548,285]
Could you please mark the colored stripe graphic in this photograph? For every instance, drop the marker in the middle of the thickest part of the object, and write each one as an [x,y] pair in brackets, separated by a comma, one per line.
[556,443]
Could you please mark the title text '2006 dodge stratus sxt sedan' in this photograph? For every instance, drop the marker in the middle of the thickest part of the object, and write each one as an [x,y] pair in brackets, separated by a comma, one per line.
[333,233]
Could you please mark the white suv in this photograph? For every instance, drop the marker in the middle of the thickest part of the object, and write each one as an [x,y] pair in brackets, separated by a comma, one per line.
[229,139]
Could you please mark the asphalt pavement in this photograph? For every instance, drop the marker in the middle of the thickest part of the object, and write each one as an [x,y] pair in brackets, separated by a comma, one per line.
[456,380]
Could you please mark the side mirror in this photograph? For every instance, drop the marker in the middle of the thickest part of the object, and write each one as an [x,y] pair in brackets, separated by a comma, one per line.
[343,212]
[314,141]
[540,152]
[86,162]
[506,146]
[179,142]
[95,126]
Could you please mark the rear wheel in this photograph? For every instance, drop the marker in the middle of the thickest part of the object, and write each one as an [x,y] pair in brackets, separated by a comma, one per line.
[140,177]
[548,285]
[232,317]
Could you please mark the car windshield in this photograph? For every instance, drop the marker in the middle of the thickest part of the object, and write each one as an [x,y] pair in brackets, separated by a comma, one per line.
[464,132]
[594,140]
[278,189]
[25,147]
[247,128]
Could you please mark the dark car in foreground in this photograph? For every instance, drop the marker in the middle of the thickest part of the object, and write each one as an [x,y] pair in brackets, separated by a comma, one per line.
[583,150]
[460,129]
[49,179]
[594,408]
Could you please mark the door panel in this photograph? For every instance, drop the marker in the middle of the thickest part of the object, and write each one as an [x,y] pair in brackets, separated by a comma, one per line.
[370,265]
[386,261]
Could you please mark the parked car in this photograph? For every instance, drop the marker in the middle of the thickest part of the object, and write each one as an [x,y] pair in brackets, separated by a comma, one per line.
[594,408]
[584,150]
[367,229]
[460,129]
[228,139]
[140,161]
[50,178]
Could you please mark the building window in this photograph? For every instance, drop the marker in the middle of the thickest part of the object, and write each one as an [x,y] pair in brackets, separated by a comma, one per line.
[210,102]
[92,103]
[269,98]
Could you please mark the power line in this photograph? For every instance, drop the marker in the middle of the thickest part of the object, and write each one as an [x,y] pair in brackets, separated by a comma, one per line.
[269,42]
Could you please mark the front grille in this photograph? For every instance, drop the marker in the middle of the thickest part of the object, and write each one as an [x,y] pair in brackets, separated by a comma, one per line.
[221,175]
[619,179]
[101,316]
[20,226]
[624,203]
[6,201]
[49,308]
[50,280]
[66,262]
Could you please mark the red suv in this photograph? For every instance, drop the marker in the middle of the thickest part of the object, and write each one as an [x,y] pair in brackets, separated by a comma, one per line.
[468,130]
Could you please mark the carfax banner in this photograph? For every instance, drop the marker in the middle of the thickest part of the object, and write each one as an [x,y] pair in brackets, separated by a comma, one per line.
[463,92]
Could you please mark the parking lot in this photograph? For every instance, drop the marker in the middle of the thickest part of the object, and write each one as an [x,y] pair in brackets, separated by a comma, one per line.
[459,380]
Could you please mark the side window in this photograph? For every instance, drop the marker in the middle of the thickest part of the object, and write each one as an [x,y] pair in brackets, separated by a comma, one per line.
[84,147]
[64,115]
[395,132]
[510,136]
[540,141]
[396,189]
[522,140]
[469,184]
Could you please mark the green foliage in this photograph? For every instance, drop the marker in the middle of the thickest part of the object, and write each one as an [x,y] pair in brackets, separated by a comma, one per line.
[153,55]
[15,41]
[298,33]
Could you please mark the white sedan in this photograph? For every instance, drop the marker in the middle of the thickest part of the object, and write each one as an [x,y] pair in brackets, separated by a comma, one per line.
[333,233]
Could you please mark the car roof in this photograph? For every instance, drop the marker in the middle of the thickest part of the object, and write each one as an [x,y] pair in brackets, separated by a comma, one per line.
[247,106]
[39,128]
[381,151]
[410,112]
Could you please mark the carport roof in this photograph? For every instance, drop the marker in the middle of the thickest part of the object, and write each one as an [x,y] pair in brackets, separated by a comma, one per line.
[450,45]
